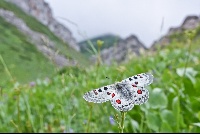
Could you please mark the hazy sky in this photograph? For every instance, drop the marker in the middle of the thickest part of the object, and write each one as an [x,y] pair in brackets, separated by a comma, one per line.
[142,18]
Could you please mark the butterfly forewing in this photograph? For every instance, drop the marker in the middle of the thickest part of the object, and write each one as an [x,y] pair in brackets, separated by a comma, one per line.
[142,79]
[100,95]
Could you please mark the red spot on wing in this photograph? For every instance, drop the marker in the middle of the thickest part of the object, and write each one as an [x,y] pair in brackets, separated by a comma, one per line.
[139,91]
[113,95]
[136,82]
[95,92]
[118,101]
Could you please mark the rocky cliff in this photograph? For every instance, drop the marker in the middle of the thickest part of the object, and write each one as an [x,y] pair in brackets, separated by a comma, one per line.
[43,13]
[123,51]
[131,46]
[190,22]
[37,39]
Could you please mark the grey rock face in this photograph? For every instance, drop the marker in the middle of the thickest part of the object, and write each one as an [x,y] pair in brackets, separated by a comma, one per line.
[190,22]
[122,52]
[43,13]
[37,39]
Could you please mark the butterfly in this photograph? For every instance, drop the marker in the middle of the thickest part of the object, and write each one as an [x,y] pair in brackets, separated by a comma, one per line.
[123,95]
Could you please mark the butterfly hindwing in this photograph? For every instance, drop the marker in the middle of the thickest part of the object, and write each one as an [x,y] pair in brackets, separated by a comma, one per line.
[142,79]
[99,95]
[140,95]
[121,103]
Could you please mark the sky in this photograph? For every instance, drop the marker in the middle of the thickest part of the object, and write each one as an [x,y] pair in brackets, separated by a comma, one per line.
[147,19]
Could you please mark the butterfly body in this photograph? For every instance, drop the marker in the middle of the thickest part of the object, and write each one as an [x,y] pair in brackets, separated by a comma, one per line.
[123,95]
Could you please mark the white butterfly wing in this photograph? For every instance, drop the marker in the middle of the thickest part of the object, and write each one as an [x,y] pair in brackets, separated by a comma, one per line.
[100,95]
[142,79]
[121,103]
[140,95]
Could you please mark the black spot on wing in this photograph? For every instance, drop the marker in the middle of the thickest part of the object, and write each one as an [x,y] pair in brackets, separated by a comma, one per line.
[108,93]
[100,90]
[105,88]
[130,79]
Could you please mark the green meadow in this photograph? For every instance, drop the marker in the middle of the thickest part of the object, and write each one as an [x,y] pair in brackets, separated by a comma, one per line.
[55,104]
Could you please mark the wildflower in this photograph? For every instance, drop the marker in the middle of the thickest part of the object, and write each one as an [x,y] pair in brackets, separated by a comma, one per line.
[85,122]
[32,84]
[112,121]
[71,130]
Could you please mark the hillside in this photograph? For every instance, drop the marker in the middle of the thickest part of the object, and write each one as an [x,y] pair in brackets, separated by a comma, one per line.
[28,47]
[20,56]
[109,40]
[191,22]
[121,51]
[114,48]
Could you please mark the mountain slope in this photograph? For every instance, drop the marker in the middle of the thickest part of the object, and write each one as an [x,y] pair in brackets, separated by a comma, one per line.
[23,60]
[35,25]
[191,22]
[20,50]
[41,11]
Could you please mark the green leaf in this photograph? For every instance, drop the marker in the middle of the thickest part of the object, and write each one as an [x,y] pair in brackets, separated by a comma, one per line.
[158,99]
[176,111]
[145,107]
[196,124]
[168,116]
[165,128]
[135,125]
[198,115]
[197,84]
[189,88]
[175,106]
[182,123]
[189,73]
[153,121]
